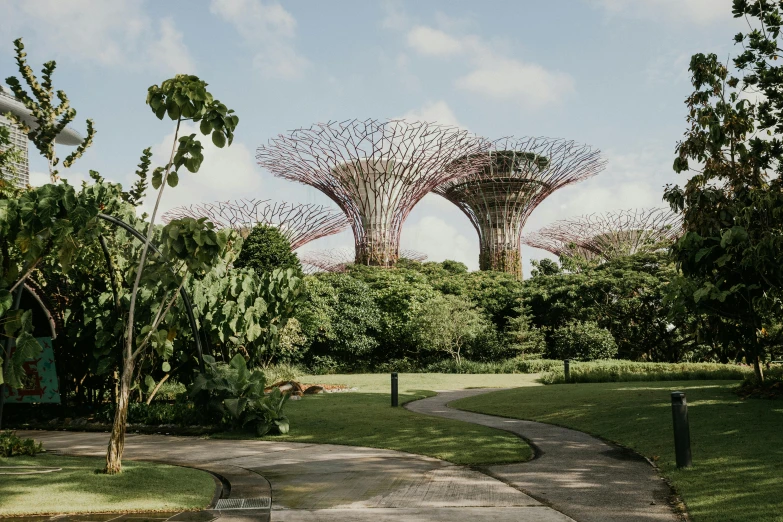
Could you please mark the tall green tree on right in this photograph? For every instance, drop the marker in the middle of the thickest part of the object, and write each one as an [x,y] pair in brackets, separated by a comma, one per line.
[730,256]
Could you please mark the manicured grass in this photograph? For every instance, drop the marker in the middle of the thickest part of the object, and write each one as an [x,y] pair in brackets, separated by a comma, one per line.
[412,382]
[365,418]
[737,450]
[80,488]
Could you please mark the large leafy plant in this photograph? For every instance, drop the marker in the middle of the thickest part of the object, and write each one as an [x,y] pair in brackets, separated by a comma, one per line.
[237,395]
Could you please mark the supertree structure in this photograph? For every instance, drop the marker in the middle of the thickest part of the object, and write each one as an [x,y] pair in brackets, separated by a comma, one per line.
[299,223]
[338,259]
[561,248]
[498,195]
[375,171]
[611,234]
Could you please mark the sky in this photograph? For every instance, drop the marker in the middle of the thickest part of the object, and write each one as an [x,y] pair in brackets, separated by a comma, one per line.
[609,73]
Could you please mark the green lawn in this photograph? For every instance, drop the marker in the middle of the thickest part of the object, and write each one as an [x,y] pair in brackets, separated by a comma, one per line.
[79,488]
[737,445]
[365,418]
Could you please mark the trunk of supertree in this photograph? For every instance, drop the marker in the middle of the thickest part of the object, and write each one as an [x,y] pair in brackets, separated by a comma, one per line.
[117,440]
[501,252]
[378,247]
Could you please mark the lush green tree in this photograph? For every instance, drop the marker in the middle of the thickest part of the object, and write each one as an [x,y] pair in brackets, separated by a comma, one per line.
[544,267]
[582,340]
[340,319]
[265,249]
[522,336]
[448,324]
[626,296]
[731,254]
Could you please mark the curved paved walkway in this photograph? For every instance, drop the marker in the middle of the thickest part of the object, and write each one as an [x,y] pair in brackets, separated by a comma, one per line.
[325,482]
[575,473]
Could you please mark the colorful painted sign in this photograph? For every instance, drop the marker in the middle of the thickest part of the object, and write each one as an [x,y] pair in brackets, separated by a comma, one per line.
[40,384]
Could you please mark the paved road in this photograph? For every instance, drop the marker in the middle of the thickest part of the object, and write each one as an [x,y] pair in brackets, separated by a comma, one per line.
[579,475]
[325,483]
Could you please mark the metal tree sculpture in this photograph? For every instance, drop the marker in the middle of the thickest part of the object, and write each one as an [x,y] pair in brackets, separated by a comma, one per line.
[299,223]
[338,259]
[500,195]
[561,248]
[375,171]
[610,235]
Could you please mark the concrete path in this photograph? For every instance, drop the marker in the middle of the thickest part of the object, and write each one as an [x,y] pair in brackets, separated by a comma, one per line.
[577,474]
[324,482]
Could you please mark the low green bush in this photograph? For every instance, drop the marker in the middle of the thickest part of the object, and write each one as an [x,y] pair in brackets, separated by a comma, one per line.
[518,365]
[180,413]
[582,340]
[626,371]
[12,446]
[282,372]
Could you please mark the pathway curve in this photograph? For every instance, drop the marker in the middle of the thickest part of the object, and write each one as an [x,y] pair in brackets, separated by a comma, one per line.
[326,482]
[575,473]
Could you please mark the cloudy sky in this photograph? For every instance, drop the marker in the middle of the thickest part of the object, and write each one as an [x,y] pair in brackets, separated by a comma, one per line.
[610,73]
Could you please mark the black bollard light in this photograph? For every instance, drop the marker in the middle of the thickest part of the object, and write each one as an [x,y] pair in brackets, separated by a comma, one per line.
[567,369]
[682,432]
[395,401]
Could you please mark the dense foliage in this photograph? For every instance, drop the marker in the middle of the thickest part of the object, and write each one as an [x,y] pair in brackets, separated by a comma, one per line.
[416,314]
[267,249]
[731,254]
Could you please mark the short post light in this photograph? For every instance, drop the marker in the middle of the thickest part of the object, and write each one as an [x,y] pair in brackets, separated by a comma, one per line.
[567,369]
[682,432]
[394,390]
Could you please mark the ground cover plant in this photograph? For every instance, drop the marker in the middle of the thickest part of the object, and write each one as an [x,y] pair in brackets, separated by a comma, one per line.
[80,488]
[736,465]
[364,417]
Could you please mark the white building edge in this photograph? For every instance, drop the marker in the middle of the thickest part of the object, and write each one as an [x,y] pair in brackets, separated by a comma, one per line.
[9,103]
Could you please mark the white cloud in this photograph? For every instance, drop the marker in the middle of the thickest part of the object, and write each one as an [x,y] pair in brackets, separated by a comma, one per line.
[227,173]
[115,33]
[688,11]
[395,16]
[432,42]
[440,241]
[507,79]
[269,30]
[493,74]
[438,111]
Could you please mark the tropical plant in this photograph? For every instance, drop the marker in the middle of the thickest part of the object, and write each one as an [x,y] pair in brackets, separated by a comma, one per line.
[236,394]
[51,118]
[191,243]
[11,445]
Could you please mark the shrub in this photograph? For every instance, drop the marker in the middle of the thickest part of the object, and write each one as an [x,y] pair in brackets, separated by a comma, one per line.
[237,394]
[626,371]
[583,341]
[11,445]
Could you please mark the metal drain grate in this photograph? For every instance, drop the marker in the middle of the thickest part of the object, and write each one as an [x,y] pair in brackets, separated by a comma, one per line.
[243,503]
